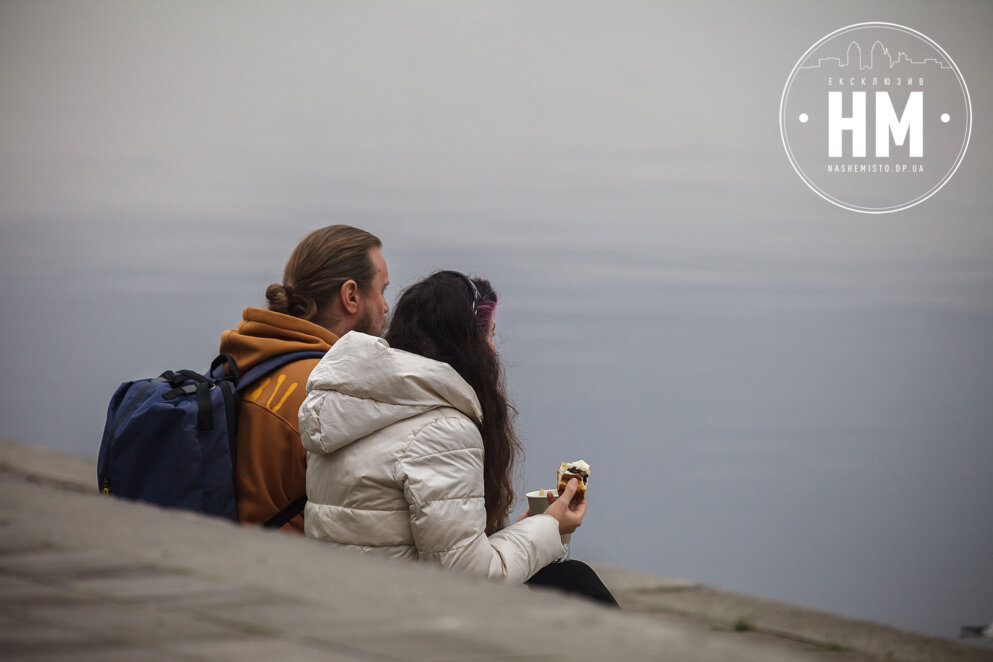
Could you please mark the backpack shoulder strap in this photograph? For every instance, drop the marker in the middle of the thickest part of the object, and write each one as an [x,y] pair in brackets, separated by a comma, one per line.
[286,514]
[224,364]
[274,363]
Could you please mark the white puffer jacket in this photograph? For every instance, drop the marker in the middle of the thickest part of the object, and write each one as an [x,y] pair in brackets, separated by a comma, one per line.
[395,465]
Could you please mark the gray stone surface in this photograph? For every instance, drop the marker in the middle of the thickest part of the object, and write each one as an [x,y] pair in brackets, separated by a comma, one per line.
[47,465]
[89,577]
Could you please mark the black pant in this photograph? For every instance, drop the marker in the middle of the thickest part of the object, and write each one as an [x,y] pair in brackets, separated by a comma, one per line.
[573,577]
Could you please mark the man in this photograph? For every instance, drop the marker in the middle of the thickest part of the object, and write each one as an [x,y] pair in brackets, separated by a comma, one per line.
[334,282]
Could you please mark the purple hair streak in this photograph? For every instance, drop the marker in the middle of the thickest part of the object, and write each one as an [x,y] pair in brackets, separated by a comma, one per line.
[485,312]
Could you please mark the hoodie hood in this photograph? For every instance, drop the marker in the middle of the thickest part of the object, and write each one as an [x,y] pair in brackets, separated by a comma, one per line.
[263,334]
[363,385]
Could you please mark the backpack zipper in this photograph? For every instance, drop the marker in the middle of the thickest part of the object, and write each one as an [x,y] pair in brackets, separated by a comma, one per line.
[118,420]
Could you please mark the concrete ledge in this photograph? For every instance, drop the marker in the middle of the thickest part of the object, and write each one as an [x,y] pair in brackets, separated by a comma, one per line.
[83,576]
[826,631]
[89,574]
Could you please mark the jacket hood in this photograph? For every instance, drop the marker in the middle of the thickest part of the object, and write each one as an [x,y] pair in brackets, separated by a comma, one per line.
[263,334]
[363,385]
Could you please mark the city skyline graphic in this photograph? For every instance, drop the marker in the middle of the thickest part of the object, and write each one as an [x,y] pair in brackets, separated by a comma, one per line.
[877,53]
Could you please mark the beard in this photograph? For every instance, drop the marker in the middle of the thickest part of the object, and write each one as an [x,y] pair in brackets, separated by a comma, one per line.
[370,325]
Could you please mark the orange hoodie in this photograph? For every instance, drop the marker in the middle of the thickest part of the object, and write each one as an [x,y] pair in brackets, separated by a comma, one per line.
[271,464]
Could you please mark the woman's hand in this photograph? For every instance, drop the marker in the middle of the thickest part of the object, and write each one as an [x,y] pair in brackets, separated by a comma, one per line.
[568,514]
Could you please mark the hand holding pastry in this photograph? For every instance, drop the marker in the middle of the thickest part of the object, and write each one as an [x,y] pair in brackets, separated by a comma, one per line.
[569,514]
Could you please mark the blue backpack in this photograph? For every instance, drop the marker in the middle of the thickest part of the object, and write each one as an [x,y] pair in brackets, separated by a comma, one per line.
[170,440]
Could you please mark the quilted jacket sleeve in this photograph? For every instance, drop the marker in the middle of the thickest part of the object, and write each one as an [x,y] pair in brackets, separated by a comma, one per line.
[442,475]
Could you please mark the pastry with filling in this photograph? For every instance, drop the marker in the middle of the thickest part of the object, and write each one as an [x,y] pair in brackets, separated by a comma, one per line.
[569,470]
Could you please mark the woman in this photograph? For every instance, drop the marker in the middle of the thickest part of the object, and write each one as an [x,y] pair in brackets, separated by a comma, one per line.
[411,449]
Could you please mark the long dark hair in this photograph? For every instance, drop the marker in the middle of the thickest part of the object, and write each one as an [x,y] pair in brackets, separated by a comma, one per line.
[434,318]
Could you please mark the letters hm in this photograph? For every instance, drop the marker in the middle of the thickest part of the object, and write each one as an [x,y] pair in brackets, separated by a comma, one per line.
[909,124]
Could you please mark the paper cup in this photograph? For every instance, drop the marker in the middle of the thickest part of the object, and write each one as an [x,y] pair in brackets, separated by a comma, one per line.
[538,500]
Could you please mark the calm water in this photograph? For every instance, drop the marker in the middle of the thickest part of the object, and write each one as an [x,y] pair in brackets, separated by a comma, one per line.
[776,396]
